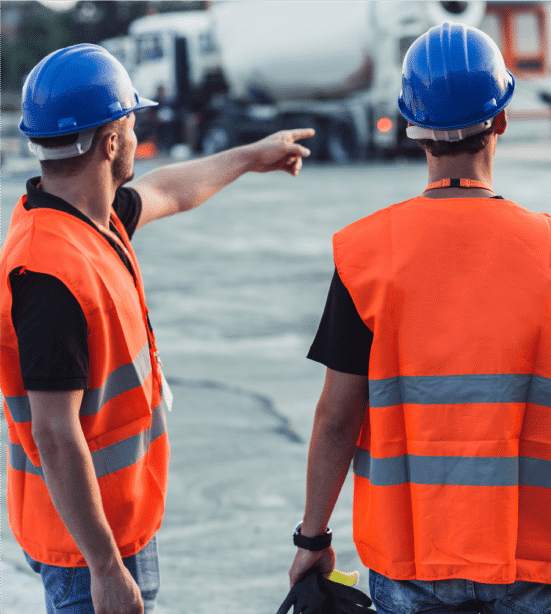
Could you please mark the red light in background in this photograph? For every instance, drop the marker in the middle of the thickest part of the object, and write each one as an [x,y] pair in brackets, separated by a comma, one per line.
[384,124]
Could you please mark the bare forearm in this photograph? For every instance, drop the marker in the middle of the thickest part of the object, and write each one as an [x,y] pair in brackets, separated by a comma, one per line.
[70,476]
[329,459]
[337,423]
[179,187]
[193,182]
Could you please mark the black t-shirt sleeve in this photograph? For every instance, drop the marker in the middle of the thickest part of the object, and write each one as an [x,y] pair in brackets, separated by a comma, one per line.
[343,341]
[51,333]
[128,207]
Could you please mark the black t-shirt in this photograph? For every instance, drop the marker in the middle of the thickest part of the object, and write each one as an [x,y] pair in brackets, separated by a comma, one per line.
[49,322]
[343,341]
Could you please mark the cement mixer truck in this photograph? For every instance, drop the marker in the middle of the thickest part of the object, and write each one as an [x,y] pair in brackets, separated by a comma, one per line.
[243,69]
[334,66]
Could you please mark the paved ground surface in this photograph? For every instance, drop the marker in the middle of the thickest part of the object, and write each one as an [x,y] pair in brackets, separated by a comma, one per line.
[236,289]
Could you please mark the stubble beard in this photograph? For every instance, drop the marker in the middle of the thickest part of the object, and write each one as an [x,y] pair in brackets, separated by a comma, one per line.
[122,170]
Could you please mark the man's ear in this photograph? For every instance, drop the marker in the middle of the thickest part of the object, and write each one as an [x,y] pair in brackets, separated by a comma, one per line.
[501,122]
[108,145]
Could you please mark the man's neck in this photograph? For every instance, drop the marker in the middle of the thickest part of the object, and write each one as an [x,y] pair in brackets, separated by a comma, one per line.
[91,195]
[477,167]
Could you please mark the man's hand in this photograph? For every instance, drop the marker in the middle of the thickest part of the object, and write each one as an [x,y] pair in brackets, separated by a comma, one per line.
[116,592]
[324,561]
[279,152]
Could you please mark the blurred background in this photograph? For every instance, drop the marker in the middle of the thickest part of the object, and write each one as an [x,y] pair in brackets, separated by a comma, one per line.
[236,287]
[229,72]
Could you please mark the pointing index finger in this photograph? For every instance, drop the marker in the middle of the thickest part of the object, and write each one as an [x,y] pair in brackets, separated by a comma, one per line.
[302,133]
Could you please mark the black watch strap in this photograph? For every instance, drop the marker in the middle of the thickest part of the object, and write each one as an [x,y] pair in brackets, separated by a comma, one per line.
[315,544]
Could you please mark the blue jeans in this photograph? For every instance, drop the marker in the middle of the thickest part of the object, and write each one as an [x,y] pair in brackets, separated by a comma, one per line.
[68,588]
[439,597]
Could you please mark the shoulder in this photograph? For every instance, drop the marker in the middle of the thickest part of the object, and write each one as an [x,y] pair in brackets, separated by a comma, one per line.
[42,292]
[62,246]
[51,330]
[373,227]
[128,207]
[524,220]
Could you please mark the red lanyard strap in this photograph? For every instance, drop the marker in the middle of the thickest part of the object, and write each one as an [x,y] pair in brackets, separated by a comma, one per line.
[458,183]
[106,231]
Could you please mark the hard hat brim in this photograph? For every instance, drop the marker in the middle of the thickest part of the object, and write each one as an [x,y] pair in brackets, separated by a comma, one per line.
[141,103]
[506,99]
[144,103]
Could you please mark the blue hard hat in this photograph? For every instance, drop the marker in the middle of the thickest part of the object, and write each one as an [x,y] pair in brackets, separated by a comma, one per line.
[74,89]
[454,76]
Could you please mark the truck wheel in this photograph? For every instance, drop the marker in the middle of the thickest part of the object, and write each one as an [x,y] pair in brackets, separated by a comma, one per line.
[317,143]
[217,137]
[342,143]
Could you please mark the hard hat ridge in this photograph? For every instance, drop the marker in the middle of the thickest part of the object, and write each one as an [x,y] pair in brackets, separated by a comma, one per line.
[453,78]
[74,89]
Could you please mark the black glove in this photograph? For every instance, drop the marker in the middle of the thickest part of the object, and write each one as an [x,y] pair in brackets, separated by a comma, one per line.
[314,594]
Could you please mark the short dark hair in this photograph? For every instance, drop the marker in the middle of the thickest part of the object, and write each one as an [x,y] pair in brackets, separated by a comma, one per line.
[69,167]
[472,144]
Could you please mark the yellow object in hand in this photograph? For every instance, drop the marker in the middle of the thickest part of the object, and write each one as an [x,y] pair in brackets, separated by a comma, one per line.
[349,579]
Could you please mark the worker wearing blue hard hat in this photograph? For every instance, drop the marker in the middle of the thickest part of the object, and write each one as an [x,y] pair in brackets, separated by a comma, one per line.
[453,79]
[79,367]
[75,89]
[436,336]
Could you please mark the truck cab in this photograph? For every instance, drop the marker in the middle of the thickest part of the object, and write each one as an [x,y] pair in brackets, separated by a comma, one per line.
[177,63]
[122,47]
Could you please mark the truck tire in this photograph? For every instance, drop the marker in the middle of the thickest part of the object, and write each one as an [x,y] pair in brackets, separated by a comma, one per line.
[342,143]
[217,137]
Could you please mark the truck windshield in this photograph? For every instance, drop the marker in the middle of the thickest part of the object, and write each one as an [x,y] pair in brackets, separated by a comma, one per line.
[149,48]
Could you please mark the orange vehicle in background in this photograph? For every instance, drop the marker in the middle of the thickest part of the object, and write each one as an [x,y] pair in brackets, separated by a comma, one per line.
[522,32]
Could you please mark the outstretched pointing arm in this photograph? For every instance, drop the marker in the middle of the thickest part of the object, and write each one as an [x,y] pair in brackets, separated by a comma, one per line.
[179,187]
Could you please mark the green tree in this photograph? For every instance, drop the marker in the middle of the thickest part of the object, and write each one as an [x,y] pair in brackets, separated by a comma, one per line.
[32,30]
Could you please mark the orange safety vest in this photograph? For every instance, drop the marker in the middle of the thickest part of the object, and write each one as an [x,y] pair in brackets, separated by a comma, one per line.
[452,473]
[122,416]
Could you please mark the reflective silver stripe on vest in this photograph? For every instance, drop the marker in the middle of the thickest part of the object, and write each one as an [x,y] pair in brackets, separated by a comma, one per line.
[20,461]
[106,460]
[535,472]
[453,470]
[457,389]
[122,379]
[20,408]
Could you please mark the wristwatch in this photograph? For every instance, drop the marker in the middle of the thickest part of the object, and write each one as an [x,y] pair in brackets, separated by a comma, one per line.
[315,544]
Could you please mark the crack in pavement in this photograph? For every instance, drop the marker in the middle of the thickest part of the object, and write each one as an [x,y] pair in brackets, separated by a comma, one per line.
[285,427]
